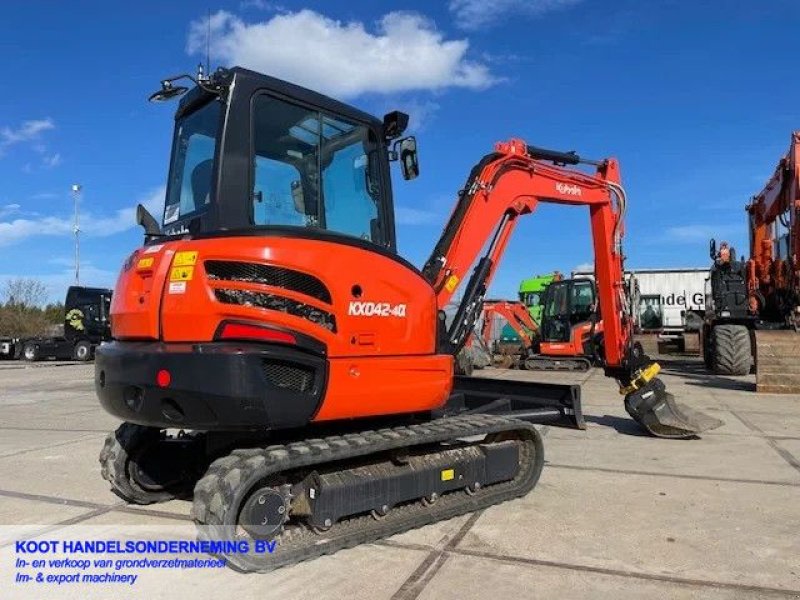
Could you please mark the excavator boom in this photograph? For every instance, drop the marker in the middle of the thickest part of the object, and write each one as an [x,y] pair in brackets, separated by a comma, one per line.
[510,183]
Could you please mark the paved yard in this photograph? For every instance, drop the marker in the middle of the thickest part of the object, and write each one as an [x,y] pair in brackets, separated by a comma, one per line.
[616,514]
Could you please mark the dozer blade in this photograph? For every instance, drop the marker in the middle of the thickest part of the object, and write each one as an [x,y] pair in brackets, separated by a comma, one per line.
[532,401]
[655,409]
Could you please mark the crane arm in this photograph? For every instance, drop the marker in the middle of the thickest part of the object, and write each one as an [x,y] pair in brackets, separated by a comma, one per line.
[507,184]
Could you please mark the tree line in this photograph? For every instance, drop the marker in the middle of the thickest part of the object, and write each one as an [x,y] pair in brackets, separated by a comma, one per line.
[24,310]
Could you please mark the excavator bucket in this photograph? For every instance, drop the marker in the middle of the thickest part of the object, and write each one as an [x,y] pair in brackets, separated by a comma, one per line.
[655,409]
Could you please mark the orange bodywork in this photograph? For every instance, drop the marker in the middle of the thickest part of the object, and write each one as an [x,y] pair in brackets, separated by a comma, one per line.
[156,299]
[579,336]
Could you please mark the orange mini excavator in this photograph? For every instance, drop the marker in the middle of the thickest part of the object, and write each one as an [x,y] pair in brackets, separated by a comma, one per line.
[570,337]
[308,367]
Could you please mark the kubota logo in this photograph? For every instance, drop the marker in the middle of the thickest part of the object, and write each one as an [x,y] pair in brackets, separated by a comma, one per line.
[569,189]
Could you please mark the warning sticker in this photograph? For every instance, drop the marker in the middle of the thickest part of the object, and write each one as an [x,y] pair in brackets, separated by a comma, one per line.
[451,283]
[185,259]
[181,274]
[177,287]
[448,474]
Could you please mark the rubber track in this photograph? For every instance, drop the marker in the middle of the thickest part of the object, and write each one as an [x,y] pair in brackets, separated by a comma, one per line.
[219,494]
[114,460]
[731,348]
[120,450]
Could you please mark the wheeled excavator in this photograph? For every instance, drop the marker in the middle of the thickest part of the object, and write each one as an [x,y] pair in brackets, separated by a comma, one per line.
[306,365]
[753,308]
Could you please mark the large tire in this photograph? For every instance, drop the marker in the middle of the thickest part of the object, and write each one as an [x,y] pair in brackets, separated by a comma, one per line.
[30,352]
[82,351]
[730,347]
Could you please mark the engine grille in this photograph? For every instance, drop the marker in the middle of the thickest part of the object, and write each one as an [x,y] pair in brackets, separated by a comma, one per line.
[273,302]
[302,283]
[289,376]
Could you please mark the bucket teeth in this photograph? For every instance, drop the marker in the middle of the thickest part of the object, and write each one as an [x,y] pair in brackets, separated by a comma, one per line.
[656,410]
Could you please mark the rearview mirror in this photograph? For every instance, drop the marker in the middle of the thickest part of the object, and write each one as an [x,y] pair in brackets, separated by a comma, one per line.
[408,158]
[712,249]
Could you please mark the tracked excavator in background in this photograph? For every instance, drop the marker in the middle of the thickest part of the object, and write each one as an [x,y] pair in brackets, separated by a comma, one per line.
[569,336]
[496,314]
[754,310]
[571,333]
[306,364]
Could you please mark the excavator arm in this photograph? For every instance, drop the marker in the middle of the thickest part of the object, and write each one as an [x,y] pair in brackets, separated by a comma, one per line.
[773,272]
[515,314]
[510,183]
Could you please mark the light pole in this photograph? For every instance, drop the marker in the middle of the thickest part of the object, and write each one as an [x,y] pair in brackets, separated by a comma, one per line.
[76,196]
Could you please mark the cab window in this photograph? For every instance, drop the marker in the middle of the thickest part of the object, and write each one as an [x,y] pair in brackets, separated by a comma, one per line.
[313,170]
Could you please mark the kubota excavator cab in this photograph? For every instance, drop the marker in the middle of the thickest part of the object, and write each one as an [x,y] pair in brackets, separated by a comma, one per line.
[571,329]
[568,315]
[274,267]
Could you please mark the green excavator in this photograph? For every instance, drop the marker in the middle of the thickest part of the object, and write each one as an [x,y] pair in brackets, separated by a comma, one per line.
[531,292]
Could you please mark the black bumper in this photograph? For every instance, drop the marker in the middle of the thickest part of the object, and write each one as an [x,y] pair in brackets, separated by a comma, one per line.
[218,386]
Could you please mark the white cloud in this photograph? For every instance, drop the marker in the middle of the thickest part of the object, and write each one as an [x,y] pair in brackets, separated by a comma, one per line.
[421,113]
[29,130]
[9,209]
[17,230]
[29,133]
[415,216]
[403,52]
[477,14]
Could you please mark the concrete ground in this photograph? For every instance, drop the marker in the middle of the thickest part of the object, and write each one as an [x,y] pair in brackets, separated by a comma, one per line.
[616,514]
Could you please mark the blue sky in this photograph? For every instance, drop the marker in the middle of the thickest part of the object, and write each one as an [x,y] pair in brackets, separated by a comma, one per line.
[696,99]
